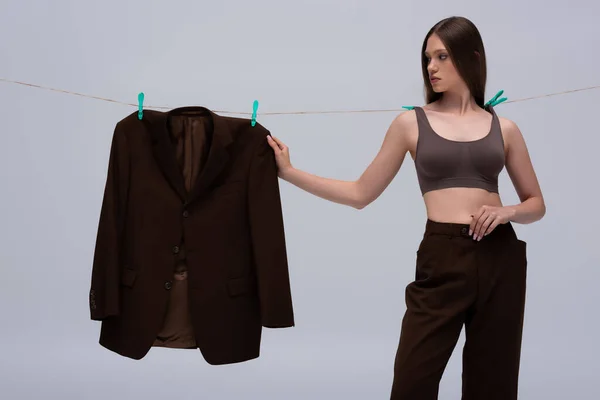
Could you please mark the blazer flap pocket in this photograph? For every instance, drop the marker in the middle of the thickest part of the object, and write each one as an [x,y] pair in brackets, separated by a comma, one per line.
[240,286]
[128,277]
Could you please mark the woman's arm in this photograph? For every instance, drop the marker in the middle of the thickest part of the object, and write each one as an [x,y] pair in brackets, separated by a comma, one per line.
[372,182]
[520,169]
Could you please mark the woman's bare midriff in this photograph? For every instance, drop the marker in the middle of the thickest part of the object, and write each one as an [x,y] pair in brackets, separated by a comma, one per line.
[456,205]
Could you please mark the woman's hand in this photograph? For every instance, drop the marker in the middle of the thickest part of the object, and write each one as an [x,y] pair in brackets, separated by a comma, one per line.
[487,219]
[282,154]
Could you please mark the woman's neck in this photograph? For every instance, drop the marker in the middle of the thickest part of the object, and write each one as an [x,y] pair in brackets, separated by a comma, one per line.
[457,102]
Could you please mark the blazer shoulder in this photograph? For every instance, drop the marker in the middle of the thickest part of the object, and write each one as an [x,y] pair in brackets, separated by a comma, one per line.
[243,126]
[258,134]
[132,125]
[128,122]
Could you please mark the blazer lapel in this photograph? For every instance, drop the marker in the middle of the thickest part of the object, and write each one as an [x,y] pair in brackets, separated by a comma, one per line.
[218,156]
[164,151]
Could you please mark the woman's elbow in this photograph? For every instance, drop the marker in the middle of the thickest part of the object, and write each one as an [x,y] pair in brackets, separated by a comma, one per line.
[360,206]
[542,208]
[361,198]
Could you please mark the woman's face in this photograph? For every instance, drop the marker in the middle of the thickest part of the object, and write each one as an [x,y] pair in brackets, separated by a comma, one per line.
[442,72]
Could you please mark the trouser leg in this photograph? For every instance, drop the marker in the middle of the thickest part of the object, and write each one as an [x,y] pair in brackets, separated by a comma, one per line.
[493,326]
[436,305]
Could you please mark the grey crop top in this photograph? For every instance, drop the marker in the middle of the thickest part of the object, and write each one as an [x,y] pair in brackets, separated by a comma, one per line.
[444,163]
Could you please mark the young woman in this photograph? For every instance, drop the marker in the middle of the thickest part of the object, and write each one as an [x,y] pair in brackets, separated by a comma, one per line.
[470,267]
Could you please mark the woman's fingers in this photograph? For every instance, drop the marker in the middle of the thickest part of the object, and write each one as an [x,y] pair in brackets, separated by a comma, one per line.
[277,142]
[273,144]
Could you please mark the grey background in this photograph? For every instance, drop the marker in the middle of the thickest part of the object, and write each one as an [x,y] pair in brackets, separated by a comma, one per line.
[349,268]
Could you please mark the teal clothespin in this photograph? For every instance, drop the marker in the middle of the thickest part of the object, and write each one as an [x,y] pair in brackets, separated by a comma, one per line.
[254,109]
[140,105]
[409,107]
[494,101]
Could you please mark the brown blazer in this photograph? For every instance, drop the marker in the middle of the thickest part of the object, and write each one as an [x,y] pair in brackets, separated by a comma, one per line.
[192,179]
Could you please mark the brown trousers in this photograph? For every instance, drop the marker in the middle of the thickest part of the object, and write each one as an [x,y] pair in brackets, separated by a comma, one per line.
[460,281]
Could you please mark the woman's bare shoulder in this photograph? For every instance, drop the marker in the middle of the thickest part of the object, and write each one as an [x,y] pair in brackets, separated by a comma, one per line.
[405,120]
[509,127]
[405,128]
[506,123]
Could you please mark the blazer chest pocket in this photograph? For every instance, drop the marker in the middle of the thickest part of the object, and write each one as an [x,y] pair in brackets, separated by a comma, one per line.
[226,189]
[241,286]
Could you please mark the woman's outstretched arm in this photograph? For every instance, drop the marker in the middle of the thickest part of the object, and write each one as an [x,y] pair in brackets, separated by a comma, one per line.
[368,187]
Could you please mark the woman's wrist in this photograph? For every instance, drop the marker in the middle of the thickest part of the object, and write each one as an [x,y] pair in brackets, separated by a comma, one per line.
[284,173]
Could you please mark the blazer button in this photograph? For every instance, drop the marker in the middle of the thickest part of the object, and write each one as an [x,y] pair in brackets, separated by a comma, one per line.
[186,213]
[175,249]
[168,285]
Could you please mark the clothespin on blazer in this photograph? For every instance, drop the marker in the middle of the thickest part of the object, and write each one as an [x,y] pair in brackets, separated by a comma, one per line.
[254,110]
[140,105]
[494,101]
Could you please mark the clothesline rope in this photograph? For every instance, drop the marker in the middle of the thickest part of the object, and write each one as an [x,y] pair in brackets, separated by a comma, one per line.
[273,113]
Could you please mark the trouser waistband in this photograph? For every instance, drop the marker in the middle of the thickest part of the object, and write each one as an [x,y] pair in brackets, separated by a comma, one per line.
[455,229]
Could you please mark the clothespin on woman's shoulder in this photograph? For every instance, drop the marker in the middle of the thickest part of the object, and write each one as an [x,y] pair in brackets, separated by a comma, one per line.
[494,101]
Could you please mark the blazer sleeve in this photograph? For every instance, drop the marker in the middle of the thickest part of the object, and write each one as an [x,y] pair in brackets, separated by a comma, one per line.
[268,239]
[105,280]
